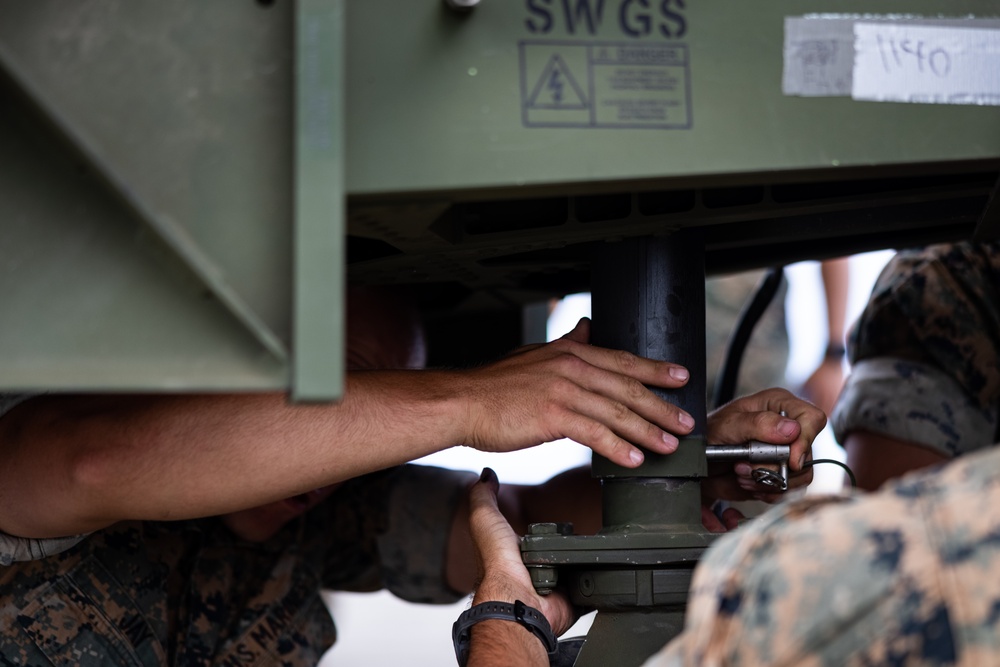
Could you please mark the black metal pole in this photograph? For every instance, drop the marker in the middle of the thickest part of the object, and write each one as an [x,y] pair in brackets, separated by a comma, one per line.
[649,299]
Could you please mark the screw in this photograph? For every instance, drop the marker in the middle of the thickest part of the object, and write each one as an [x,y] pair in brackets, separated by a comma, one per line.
[550,528]
[461,5]
[543,577]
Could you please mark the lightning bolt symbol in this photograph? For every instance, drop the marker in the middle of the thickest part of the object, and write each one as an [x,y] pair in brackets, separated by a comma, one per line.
[556,86]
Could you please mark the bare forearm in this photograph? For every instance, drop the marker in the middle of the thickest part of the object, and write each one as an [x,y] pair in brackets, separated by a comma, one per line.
[497,642]
[505,579]
[75,464]
[836,279]
[500,643]
[503,643]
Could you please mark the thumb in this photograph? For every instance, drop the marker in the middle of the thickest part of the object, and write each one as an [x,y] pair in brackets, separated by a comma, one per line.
[493,538]
[487,524]
[483,496]
[581,332]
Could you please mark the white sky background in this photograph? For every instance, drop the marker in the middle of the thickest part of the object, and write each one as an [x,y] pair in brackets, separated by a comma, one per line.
[378,629]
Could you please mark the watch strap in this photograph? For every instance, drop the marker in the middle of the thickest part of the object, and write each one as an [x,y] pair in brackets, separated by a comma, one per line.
[835,351]
[528,617]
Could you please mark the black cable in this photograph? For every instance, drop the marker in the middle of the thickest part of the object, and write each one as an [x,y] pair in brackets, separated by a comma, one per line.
[854,482]
[725,385]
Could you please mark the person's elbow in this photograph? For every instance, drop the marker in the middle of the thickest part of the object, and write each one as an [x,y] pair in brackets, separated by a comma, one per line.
[55,483]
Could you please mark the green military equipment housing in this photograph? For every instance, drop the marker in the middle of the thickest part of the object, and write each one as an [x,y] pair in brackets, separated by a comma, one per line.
[187,186]
[178,177]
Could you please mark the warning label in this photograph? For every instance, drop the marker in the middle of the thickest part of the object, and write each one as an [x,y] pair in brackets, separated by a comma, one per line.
[603,85]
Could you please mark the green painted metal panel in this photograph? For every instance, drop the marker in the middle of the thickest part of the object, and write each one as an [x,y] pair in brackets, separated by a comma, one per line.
[182,115]
[185,121]
[442,101]
[201,248]
[319,201]
[92,299]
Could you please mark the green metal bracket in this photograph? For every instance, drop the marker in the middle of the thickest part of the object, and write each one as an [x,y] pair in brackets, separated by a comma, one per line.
[318,366]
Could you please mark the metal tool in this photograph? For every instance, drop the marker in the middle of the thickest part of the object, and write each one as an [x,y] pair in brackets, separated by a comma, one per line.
[756,452]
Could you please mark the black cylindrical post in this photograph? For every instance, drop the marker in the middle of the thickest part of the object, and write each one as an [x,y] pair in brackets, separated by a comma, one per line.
[649,299]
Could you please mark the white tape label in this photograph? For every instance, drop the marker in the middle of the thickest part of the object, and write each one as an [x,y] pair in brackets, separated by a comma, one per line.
[926,64]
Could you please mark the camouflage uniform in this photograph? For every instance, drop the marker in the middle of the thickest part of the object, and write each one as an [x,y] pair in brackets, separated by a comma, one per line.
[926,351]
[145,593]
[907,576]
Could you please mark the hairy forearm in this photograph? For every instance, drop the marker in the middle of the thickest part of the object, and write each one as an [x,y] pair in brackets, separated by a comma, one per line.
[497,642]
[505,579]
[75,464]
[503,643]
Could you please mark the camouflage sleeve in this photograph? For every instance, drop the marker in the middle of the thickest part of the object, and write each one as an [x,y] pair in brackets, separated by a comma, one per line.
[904,576]
[915,402]
[939,306]
[413,549]
[390,530]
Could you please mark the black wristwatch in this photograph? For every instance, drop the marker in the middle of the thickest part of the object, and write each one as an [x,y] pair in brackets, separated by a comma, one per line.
[528,617]
[834,351]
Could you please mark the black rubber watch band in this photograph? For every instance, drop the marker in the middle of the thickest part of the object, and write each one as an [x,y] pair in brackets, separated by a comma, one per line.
[835,352]
[528,617]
